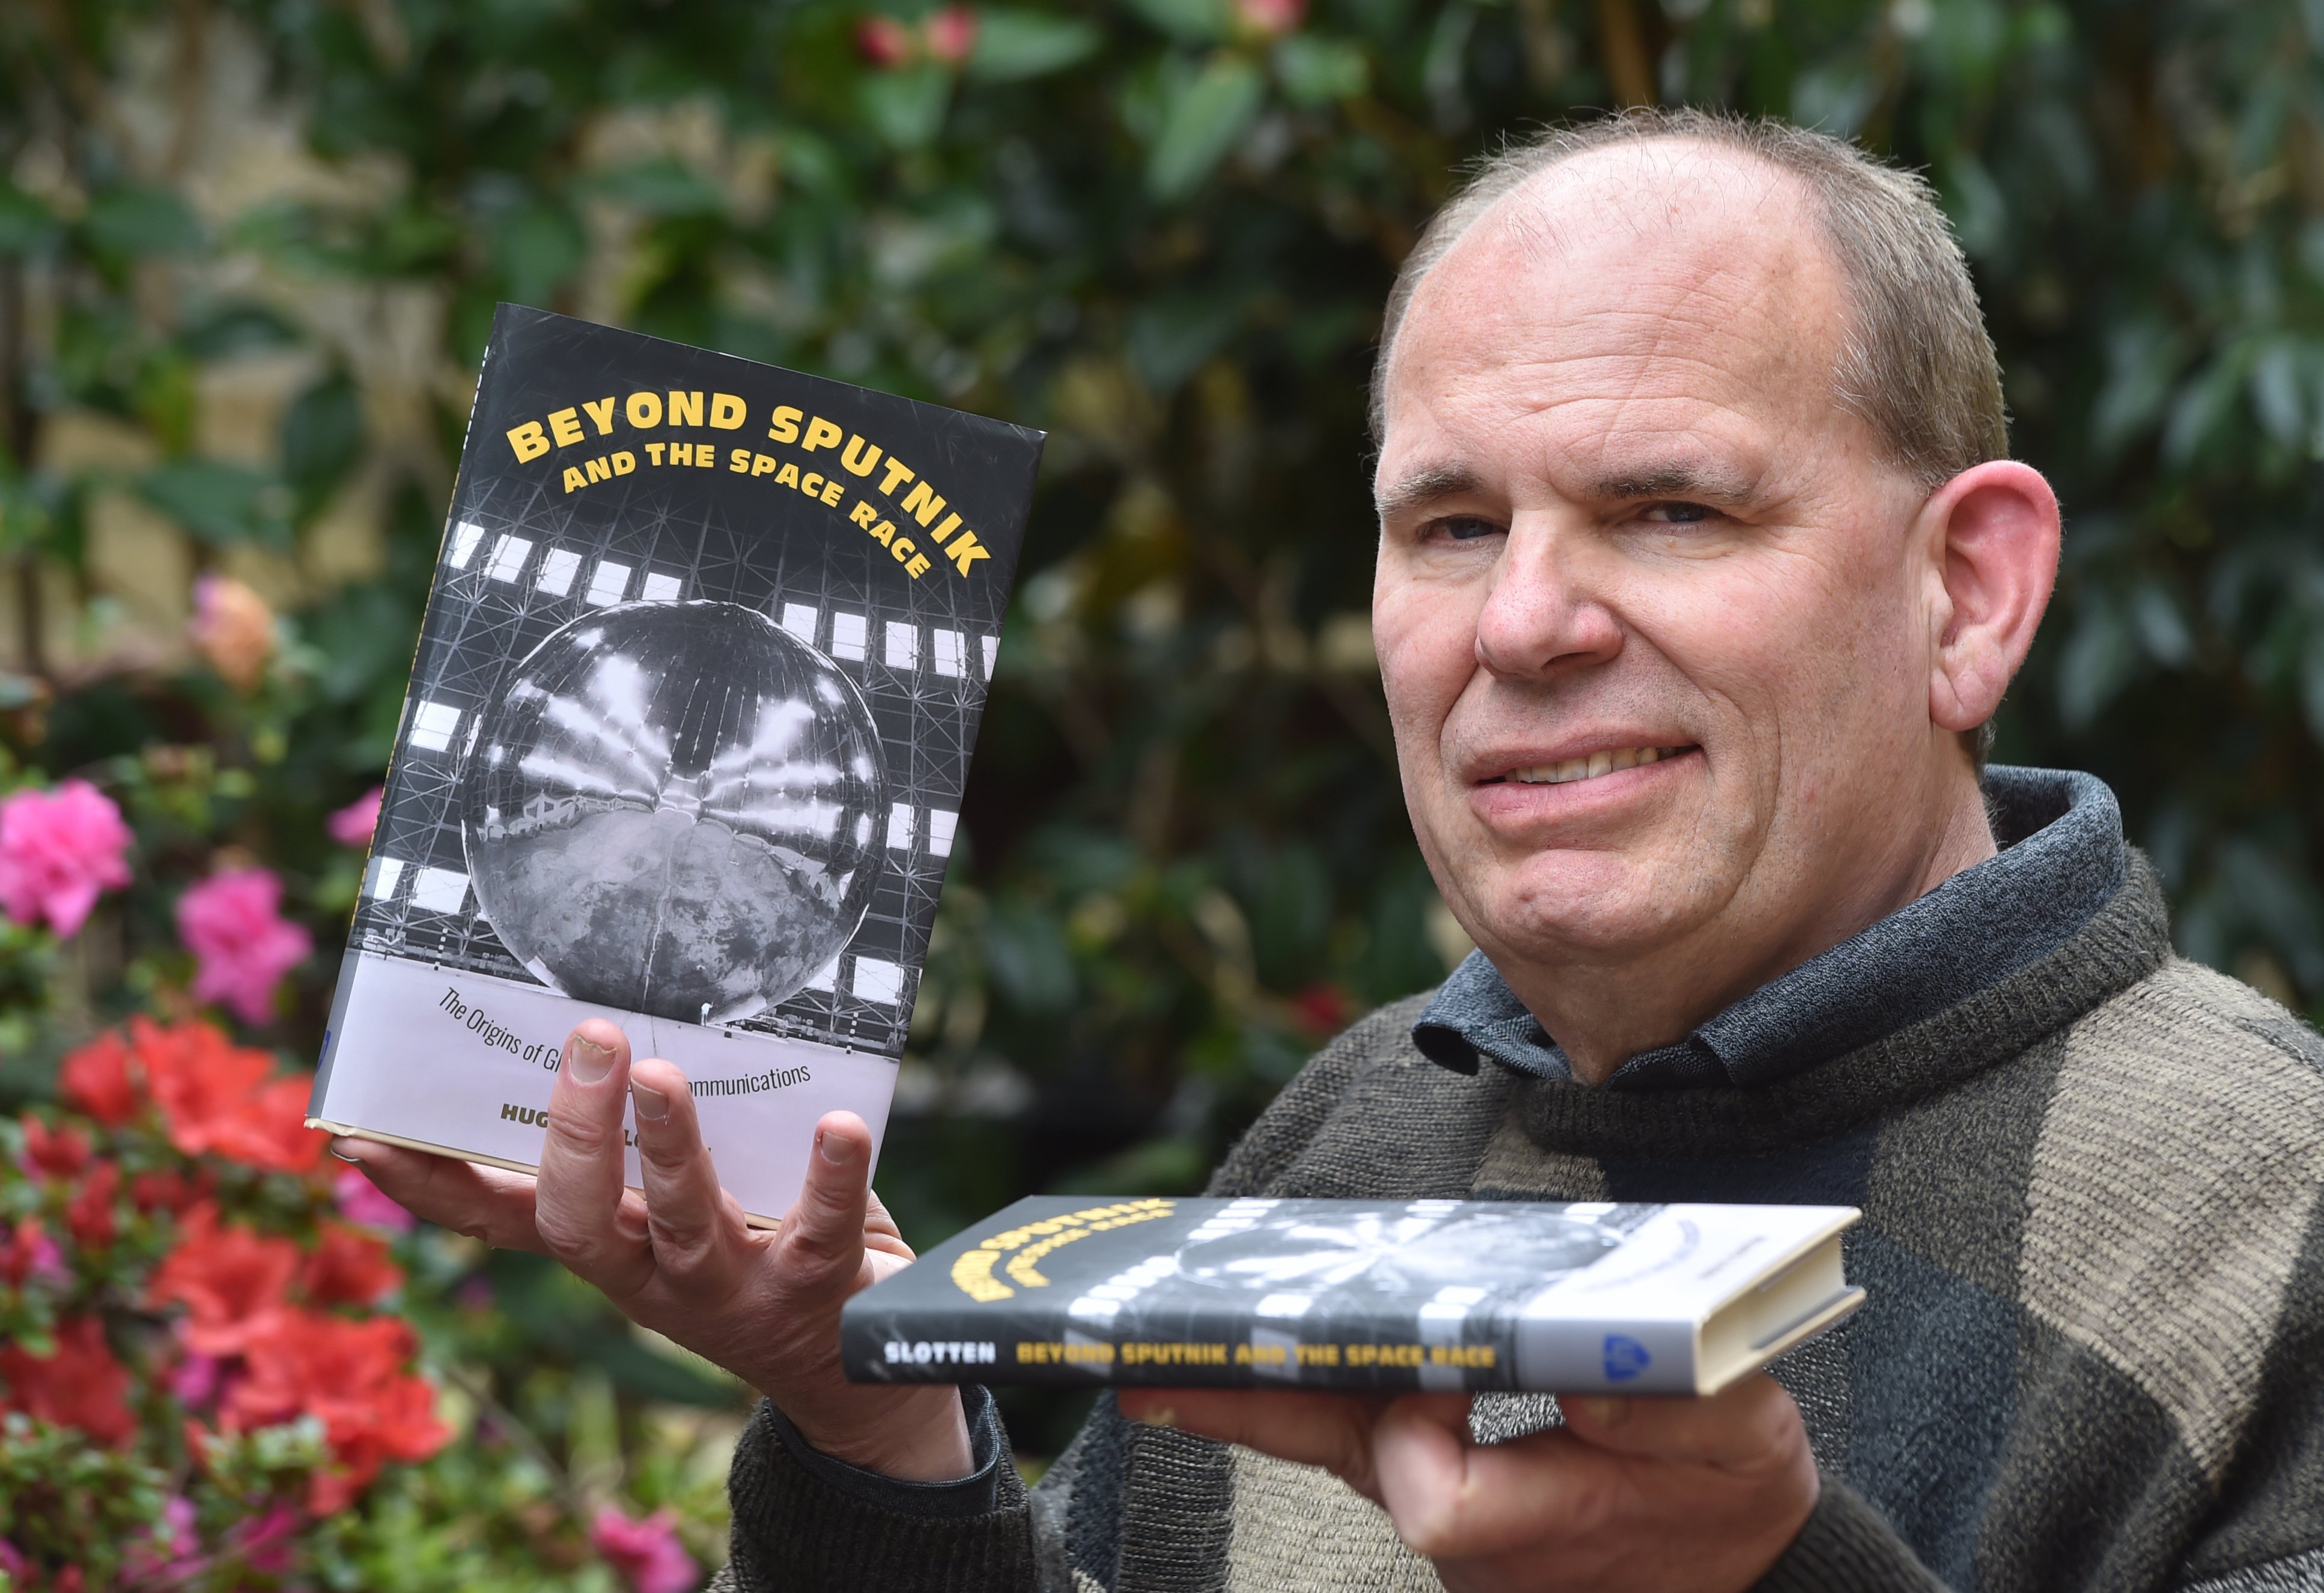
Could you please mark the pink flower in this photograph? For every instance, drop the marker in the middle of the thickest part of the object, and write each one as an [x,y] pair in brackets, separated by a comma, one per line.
[361,1202]
[952,34]
[58,849]
[1272,17]
[241,944]
[233,628]
[883,42]
[647,1552]
[352,825]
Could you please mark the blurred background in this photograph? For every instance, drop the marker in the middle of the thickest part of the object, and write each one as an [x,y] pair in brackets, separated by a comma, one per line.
[248,254]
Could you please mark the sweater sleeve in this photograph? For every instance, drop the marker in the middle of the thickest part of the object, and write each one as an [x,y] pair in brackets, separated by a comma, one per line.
[1848,1547]
[804,1521]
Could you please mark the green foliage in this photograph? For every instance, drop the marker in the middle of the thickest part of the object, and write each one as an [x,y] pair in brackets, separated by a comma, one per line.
[1162,229]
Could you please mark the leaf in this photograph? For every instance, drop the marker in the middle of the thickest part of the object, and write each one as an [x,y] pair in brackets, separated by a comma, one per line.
[2275,393]
[1192,21]
[26,225]
[1015,45]
[2097,662]
[1026,952]
[539,247]
[218,501]
[1201,125]
[663,187]
[322,439]
[1317,71]
[231,329]
[128,221]
[1974,201]
[906,106]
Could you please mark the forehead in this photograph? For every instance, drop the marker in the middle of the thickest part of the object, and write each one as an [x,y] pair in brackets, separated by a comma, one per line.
[1622,299]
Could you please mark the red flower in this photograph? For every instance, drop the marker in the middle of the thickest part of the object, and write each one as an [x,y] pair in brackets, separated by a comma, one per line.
[95,1079]
[1325,1007]
[231,1281]
[349,1375]
[28,1253]
[219,1097]
[54,1153]
[89,1214]
[883,42]
[1272,17]
[169,1190]
[78,1384]
[952,34]
[349,1267]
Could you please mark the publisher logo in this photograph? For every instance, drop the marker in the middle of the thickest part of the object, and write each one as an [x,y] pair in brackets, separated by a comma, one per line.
[938,1352]
[1626,1357]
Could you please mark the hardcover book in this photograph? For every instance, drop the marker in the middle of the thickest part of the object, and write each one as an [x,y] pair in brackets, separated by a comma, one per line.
[1358,1294]
[691,712]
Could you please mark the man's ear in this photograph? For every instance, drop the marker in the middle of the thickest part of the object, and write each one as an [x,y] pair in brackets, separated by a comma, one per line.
[1993,532]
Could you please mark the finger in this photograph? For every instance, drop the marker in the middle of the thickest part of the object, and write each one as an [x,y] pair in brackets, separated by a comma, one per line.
[821,1240]
[1451,1499]
[696,1241]
[1333,1430]
[578,1209]
[486,1203]
[1752,1423]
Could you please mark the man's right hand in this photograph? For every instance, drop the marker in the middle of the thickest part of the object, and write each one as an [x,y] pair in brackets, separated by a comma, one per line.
[680,1259]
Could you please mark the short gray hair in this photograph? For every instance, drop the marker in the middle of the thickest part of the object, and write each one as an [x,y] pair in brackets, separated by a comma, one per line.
[1917,363]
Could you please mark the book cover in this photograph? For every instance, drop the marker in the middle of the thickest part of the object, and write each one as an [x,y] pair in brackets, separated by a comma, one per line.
[691,712]
[1358,1294]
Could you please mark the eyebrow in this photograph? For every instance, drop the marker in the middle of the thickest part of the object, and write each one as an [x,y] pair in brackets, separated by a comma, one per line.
[1690,482]
[1429,484]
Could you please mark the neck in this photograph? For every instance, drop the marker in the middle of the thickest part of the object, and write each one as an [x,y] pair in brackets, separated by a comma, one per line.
[1602,1010]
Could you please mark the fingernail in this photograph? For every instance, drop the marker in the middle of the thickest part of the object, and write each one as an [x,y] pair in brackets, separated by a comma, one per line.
[342,1154]
[653,1106]
[589,1061]
[835,1150]
[1605,1413]
[1161,1416]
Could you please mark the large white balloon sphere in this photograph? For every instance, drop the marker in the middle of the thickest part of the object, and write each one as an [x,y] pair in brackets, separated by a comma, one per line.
[675,809]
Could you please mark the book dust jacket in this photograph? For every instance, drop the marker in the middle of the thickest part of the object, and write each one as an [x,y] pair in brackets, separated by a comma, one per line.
[692,709]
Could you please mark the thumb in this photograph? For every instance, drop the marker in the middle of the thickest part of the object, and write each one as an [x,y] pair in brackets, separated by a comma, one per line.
[821,1236]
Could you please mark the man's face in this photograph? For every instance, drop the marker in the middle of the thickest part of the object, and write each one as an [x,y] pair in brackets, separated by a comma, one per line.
[1651,612]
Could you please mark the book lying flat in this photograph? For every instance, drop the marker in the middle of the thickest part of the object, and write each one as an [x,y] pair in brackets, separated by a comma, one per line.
[693,705]
[1358,1294]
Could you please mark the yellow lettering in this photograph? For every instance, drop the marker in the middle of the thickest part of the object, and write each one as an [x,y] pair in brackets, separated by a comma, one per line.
[879,534]
[653,450]
[832,490]
[820,434]
[642,411]
[739,460]
[529,441]
[811,485]
[681,453]
[685,408]
[965,551]
[762,464]
[916,569]
[624,462]
[923,504]
[785,426]
[599,471]
[573,478]
[902,548]
[951,524]
[705,455]
[602,412]
[565,426]
[897,474]
[859,456]
[787,476]
[726,411]
[864,514]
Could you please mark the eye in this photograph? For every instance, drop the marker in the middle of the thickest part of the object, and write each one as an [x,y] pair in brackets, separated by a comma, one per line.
[1677,514]
[1461,528]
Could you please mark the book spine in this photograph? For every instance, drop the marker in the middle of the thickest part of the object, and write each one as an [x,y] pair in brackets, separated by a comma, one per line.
[1209,1349]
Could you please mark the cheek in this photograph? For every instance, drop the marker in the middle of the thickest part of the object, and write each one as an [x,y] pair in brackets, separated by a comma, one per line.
[1425,635]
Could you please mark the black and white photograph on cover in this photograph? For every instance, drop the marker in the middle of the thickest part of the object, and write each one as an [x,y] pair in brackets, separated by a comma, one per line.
[684,743]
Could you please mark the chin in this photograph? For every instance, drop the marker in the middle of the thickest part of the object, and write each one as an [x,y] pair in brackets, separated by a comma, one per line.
[1590,905]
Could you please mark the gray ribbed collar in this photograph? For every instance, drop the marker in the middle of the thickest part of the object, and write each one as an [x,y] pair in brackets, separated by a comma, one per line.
[2063,858]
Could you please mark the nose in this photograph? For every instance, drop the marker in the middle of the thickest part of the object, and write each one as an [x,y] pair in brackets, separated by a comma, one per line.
[1543,616]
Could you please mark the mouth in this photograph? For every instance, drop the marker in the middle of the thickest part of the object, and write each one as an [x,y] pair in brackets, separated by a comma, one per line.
[1596,765]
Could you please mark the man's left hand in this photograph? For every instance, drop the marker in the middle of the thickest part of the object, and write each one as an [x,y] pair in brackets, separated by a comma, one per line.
[1640,1494]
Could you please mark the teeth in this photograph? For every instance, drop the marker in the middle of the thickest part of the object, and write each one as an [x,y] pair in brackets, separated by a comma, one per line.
[1591,766]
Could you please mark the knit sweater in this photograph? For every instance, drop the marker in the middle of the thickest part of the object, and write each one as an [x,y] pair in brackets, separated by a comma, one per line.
[2092,1357]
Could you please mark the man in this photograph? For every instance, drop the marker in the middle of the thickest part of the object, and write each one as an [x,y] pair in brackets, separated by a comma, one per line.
[1702,567]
